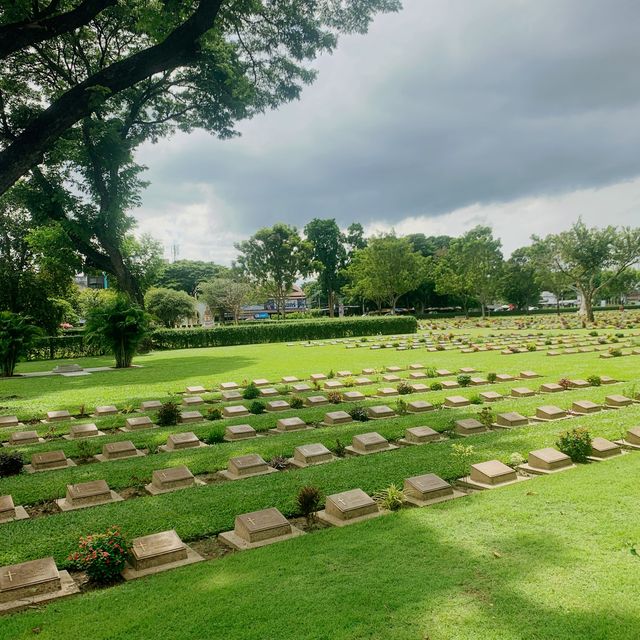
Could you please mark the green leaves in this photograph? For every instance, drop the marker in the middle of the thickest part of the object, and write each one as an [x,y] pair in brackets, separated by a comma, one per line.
[16,336]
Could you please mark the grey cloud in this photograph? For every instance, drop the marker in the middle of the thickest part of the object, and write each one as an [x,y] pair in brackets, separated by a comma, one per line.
[447,104]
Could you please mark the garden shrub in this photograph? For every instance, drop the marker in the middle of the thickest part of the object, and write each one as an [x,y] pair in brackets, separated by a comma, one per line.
[594,380]
[279,463]
[16,337]
[492,377]
[390,498]
[334,397]
[102,555]
[11,463]
[464,380]
[404,388]
[251,391]
[214,413]
[401,407]
[308,501]
[576,443]
[340,449]
[435,386]
[486,417]
[257,407]
[215,436]
[515,460]
[296,402]
[565,383]
[168,414]
[359,413]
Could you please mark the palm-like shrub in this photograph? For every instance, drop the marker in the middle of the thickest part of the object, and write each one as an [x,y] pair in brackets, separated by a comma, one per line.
[16,336]
[118,326]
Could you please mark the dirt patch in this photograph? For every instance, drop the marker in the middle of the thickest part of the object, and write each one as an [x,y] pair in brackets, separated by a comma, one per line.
[210,548]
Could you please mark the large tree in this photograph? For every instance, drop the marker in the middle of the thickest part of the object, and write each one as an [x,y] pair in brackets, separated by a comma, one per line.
[592,259]
[255,47]
[519,285]
[227,295]
[169,306]
[186,275]
[386,269]
[471,268]
[274,258]
[329,255]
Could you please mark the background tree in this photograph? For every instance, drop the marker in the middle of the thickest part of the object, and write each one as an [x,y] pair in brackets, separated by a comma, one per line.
[119,327]
[186,275]
[549,276]
[355,237]
[169,306]
[274,258]
[620,287]
[471,268]
[386,269]
[16,337]
[226,295]
[519,285]
[594,258]
[329,256]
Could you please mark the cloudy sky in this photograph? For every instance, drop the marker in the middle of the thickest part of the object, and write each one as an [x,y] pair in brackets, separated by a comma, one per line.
[520,114]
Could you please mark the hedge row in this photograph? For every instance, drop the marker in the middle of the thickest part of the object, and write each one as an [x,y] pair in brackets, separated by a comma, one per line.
[283,332]
[74,346]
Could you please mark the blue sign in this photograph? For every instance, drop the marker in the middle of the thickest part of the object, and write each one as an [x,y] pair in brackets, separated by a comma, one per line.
[261,316]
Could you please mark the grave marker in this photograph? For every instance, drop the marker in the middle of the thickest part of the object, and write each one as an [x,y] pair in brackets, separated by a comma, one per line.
[239,432]
[546,461]
[348,507]
[105,410]
[420,435]
[87,494]
[428,489]
[368,443]
[187,417]
[118,451]
[337,417]
[138,423]
[24,437]
[286,425]
[178,441]
[259,528]
[311,454]
[469,427]
[246,466]
[48,461]
[380,411]
[453,402]
[235,411]
[171,479]
[602,449]
[510,420]
[9,512]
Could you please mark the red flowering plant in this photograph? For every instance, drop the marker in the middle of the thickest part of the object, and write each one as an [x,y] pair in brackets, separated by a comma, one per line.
[102,555]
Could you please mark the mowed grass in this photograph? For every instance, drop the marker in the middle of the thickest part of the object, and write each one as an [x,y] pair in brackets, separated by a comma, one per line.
[548,558]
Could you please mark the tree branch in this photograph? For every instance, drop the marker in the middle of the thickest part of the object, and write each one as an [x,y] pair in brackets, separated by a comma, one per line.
[178,49]
[19,35]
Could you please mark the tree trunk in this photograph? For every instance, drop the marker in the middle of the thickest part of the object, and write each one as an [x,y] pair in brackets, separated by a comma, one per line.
[586,307]
[331,303]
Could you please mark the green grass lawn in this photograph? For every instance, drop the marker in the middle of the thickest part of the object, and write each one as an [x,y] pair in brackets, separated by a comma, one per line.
[542,559]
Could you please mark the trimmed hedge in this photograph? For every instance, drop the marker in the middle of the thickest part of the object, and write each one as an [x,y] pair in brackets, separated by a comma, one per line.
[282,332]
[74,346]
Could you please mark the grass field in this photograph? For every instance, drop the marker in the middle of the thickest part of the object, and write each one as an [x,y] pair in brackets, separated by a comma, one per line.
[546,558]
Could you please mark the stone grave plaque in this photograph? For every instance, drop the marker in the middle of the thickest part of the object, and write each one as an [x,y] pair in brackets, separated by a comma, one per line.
[549,459]
[443,372]
[427,488]
[156,550]
[633,436]
[421,435]
[150,405]
[9,421]
[419,388]
[601,449]
[511,419]
[290,424]
[261,382]
[57,416]
[277,405]
[310,454]
[362,381]
[450,384]
[522,392]
[164,480]
[228,386]
[456,401]
[268,392]
[416,367]
[380,411]
[190,416]
[67,368]
[607,380]
[337,417]
[315,401]
[585,406]
[192,401]
[578,384]
[368,372]
[261,525]
[139,423]
[528,375]
[235,411]
[492,473]
[550,412]
[504,377]
[551,387]
[417,375]
[79,431]
[333,384]
[393,369]
[386,392]
[246,466]
[239,432]
[29,579]
[419,406]
[617,400]
[317,377]
[353,396]
[119,450]
[105,410]
[467,370]
[469,427]
[491,396]
[88,493]
[289,379]
[7,508]
[477,381]
[366,443]
[300,387]
[228,396]
[187,440]
[49,460]
[24,437]
[349,506]
[195,390]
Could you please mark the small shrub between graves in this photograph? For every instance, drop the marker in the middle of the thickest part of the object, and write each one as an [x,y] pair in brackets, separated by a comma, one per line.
[475,399]
[461,455]
[257,407]
[435,386]
[340,449]
[11,463]
[296,402]
[401,407]
[334,397]
[214,413]
[390,498]
[430,372]
[168,414]
[576,443]
[515,460]
[359,413]
[615,353]
[404,388]
[102,555]
[86,450]
[492,377]
[251,392]
[215,436]
[464,380]
[594,381]
[279,463]
[486,417]
[564,383]
[308,501]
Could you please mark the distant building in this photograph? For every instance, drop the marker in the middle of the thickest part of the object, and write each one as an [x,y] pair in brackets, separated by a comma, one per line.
[86,281]
[296,301]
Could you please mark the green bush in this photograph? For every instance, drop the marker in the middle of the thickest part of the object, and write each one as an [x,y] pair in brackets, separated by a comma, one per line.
[296,402]
[168,414]
[464,380]
[251,392]
[404,388]
[102,555]
[436,386]
[576,443]
[308,502]
[492,377]
[16,337]
[359,413]
[257,407]
[390,498]
[215,413]
[594,380]
[11,463]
